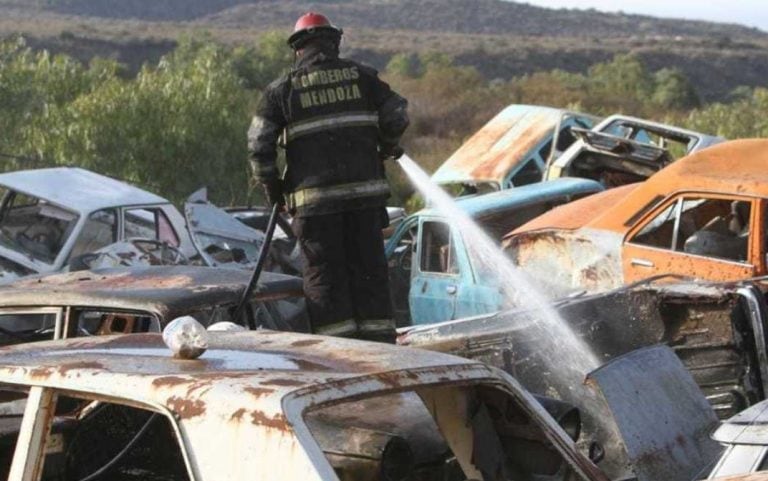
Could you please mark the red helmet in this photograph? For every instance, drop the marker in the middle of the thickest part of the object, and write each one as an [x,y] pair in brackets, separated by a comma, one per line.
[309,25]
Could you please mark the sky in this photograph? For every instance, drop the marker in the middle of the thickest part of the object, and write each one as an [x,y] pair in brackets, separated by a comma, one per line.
[753,13]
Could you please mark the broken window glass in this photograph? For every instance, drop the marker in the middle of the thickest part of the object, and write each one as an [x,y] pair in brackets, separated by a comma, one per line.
[716,228]
[35,228]
[112,441]
[436,433]
[99,230]
[437,251]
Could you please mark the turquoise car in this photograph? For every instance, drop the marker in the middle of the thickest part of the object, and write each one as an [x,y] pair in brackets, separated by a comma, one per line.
[431,275]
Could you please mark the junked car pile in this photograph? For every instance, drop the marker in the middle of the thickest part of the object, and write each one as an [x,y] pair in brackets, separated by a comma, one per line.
[648,240]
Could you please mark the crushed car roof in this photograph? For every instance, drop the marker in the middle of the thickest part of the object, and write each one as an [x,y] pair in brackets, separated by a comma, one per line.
[504,142]
[168,291]
[243,376]
[84,191]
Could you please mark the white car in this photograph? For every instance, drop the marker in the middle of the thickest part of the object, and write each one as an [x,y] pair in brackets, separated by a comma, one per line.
[265,405]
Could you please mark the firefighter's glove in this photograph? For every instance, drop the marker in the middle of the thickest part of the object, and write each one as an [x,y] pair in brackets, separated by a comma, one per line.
[393,152]
[273,191]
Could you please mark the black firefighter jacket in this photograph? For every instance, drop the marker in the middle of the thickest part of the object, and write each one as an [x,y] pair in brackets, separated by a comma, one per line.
[336,116]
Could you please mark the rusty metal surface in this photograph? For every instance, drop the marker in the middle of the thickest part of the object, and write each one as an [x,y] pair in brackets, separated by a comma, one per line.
[502,144]
[735,167]
[663,418]
[243,401]
[731,170]
[578,213]
[562,261]
[167,291]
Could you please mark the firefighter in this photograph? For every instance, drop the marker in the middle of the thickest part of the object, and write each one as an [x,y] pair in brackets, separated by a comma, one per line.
[339,122]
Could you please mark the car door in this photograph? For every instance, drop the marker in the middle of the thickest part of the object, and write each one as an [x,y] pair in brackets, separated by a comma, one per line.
[435,274]
[701,235]
[400,249]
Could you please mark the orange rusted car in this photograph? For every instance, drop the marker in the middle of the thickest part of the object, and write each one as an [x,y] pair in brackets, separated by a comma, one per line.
[704,216]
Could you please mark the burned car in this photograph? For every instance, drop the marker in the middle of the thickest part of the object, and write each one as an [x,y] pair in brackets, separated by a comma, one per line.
[511,150]
[432,275]
[622,150]
[719,331]
[50,217]
[140,300]
[700,217]
[66,218]
[275,406]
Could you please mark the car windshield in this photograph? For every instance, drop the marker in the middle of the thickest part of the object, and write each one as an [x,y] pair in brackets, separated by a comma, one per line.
[34,227]
[420,435]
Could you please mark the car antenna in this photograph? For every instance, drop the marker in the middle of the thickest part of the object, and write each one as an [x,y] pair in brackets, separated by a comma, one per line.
[260,261]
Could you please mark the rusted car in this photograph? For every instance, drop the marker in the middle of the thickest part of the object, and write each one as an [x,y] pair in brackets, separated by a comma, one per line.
[142,299]
[512,149]
[701,217]
[274,406]
[621,150]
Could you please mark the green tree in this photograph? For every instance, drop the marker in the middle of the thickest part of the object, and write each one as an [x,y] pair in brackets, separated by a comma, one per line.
[673,90]
[260,64]
[744,118]
[173,129]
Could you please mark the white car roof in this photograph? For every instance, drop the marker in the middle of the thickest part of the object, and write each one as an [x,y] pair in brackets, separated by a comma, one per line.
[77,189]
[140,367]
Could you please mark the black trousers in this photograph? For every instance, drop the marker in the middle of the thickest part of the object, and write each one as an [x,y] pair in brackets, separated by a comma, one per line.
[345,269]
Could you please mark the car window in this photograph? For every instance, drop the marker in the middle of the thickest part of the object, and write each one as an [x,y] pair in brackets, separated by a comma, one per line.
[529,173]
[717,228]
[35,228]
[95,322]
[111,441]
[565,138]
[149,224]
[12,404]
[17,328]
[438,254]
[436,433]
[99,230]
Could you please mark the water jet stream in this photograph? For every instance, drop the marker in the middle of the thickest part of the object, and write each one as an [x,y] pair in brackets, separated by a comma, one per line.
[566,355]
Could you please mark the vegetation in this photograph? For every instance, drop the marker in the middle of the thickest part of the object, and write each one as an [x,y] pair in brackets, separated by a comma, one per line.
[181,123]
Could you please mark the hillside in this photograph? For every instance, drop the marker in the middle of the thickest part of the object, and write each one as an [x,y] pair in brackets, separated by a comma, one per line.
[502,39]
[458,16]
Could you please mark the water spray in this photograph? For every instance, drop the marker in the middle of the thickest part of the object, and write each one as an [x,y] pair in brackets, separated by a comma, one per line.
[562,350]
